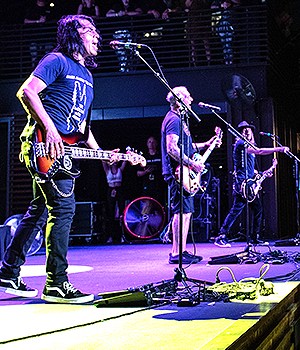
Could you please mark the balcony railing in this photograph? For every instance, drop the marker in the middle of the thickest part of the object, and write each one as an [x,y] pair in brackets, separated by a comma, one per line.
[182,41]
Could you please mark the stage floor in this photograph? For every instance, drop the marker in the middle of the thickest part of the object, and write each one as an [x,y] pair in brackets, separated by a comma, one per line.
[34,324]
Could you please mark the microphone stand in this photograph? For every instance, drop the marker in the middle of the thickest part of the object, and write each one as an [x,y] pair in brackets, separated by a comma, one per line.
[185,110]
[247,144]
[275,139]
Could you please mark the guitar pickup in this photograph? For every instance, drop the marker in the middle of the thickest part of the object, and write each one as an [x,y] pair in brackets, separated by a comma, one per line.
[39,149]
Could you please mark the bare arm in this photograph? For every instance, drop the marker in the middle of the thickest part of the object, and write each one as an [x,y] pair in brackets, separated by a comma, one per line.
[79,10]
[266,151]
[105,166]
[97,11]
[28,95]
[201,145]
[174,151]
[123,165]
[91,141]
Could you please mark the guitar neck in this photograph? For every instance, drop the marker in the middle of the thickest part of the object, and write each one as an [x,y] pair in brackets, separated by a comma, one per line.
[207,153]
[85,153]
[264,175]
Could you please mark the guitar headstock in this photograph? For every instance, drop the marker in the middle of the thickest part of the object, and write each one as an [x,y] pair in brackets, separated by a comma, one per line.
[219,132]
[134,157]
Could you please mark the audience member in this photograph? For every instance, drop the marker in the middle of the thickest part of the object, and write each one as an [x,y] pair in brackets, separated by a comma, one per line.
[115,201]
[38,13]
[173,7]
[153,8]
[198,28]
[225,30]
[153,184]
[89,8]
[120,8]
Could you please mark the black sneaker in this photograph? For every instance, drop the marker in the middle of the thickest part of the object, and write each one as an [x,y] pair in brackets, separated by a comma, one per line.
[185,259]
[258,242]
[221,241]
[65,293]
[17,286]
[189,255]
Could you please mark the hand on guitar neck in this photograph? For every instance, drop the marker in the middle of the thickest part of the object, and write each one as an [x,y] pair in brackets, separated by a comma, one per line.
[192,173]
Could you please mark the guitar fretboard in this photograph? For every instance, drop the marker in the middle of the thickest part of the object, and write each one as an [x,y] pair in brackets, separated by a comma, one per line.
[86,153]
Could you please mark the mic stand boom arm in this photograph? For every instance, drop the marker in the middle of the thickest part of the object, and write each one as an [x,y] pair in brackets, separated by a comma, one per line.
[165,83]
[297,161]
[233,131]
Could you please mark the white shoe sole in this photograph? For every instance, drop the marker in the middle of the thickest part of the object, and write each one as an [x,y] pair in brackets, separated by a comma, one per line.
[19,293]
[59,300]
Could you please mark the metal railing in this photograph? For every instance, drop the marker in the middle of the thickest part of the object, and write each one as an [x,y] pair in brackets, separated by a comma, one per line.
[183,41]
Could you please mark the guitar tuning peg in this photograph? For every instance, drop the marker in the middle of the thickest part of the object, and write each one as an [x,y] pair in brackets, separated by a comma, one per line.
[140,153]
[128,148]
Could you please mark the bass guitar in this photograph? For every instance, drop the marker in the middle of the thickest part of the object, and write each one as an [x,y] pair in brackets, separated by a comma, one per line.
[47,167]
[251,187]
[191,180]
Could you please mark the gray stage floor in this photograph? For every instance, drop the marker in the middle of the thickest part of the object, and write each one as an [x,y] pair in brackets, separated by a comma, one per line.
[34,324]
[105,268]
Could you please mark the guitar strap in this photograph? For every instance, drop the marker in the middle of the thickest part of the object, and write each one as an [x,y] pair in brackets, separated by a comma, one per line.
[88,123]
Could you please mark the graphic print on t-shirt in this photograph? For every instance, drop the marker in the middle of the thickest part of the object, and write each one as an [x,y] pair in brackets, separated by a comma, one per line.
[79,99]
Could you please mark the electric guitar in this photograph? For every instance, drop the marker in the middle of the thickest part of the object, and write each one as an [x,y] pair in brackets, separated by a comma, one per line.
[251,187]
[191,180]
[48,167]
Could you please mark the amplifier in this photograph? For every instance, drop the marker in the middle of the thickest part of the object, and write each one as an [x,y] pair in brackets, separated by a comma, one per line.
[87,219]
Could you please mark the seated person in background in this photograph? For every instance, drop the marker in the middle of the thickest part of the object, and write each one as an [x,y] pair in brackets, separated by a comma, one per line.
[153,8]
[173,7]
[38,13]
[89,8]
[120,8]
[115,201]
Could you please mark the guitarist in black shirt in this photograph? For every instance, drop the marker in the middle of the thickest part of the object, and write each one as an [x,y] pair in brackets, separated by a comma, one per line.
[240,196]
[170,143]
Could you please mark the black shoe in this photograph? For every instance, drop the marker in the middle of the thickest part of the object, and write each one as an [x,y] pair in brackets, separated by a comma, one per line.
[258,242]
[221,241]
[189,255]
[185,259]
[65,293]
[16,286]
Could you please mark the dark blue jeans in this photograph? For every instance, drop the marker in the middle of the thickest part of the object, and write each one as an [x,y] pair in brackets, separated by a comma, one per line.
[52,208]
[238,205]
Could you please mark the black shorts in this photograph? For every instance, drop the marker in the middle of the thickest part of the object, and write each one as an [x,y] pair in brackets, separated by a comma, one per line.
[187,199]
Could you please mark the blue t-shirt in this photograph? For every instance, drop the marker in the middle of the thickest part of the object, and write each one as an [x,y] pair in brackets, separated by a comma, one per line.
[171,125]
[239,162]
[69,92]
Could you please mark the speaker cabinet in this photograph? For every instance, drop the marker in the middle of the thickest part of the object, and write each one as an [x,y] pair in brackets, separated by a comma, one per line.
[87,220]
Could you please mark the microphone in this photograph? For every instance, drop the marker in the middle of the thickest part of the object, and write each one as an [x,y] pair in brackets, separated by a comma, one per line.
[127,45]
[267,134]
[206,105]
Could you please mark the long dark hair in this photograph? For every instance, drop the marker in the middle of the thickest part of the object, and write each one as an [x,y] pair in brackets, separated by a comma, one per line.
[69,40]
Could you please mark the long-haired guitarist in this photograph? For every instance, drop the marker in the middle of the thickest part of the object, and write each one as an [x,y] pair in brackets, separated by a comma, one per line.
[170,147]
[242,184]
[57,97]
